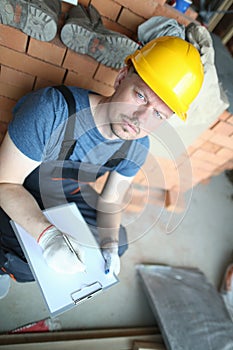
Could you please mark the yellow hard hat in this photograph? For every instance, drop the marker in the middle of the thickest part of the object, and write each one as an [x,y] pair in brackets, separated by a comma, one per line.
[172,68]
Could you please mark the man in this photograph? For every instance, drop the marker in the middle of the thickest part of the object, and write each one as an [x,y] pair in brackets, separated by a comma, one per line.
[159,80]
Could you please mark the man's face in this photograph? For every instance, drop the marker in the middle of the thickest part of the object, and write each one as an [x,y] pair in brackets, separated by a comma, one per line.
[135,110]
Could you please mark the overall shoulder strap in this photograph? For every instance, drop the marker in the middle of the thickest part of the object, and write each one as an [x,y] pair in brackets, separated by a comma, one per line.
[68,142]
[119,155]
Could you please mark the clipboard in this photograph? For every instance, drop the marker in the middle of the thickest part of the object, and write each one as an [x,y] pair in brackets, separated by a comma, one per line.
[62,292]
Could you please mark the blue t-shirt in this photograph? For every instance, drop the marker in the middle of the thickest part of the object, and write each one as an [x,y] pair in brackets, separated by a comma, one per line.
[38,127]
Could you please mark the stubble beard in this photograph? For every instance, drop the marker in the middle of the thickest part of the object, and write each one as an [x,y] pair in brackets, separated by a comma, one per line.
[118,129]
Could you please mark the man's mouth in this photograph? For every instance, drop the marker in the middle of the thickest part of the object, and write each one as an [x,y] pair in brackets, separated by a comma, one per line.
[130,127]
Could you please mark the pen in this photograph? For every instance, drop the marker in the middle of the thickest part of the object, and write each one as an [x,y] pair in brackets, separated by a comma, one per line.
[107,264]
[66,239]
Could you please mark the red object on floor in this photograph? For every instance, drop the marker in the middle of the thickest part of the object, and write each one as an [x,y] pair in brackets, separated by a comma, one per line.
[46,325]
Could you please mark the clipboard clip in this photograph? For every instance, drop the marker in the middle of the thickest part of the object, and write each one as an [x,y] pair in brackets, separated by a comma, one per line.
[86,292]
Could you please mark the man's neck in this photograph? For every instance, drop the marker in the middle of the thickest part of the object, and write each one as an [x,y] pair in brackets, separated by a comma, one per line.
[100,115]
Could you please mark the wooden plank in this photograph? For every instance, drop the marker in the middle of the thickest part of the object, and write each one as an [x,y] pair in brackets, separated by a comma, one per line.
[23,338]
[227,36]
[113,343]
[226,4]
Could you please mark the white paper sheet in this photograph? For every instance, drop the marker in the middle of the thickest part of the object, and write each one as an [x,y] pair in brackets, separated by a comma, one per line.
[62,290]
[73,2]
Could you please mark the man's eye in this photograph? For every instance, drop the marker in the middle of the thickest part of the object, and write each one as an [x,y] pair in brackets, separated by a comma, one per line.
[158,115]
[140,96]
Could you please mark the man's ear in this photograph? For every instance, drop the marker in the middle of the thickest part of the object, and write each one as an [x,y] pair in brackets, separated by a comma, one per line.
[121,76]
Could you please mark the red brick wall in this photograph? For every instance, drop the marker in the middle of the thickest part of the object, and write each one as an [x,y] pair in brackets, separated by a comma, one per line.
[28,64]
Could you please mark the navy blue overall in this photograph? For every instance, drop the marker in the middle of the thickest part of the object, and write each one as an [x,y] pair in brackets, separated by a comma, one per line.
[57,182]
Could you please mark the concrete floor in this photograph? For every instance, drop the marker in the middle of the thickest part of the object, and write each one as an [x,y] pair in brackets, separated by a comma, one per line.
[203,239]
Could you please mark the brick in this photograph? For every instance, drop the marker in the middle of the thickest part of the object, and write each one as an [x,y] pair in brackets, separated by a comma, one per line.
[171,180]
[116,27]
[5,116]
[101,88]
[82,81]
[174,201]
[214,124]
[130,20]
[206,181]
[42,83]
[200,175]
[78,80]
[229,165]
[138,197]
[3,128]
[226,166]
[230,119]
[109,9]
[72,78]
[223,128]
[31,65]
[170,12]
[152,173]
[225,115]
[206,135]
[190,150]
[80,63]
[225,153]
[13,38]
[136,205]
[156,197]
[139,178]
[165,164]
[222,140]
[1,137]
[197,143]
[182,158]
[185,172]
[84,2]
[157,175]
[143,8]
[203,165]
[210,147]
[191,13]
[16,78]
[6,103]
[208,157]
[53,51]
[11,91]
[106,75]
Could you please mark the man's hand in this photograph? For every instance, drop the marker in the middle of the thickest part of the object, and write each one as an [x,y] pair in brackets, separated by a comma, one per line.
[57,252]
[111,257]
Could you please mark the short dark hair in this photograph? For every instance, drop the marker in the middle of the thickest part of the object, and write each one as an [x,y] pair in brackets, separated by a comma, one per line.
[131,67]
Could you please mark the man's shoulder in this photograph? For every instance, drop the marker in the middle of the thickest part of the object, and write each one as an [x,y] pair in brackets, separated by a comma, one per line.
[51,95]
[81,96]
[145,141]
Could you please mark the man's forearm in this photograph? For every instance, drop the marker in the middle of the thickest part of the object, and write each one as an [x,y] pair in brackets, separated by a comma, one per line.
[108,221]
[21,207]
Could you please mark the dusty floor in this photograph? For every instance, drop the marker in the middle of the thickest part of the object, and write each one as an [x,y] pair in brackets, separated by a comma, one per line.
[203,239]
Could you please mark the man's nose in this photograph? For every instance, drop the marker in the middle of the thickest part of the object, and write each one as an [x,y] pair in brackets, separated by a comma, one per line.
[141,112]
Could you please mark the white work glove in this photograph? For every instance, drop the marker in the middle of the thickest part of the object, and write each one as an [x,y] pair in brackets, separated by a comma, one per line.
[57,253]
[110,253]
